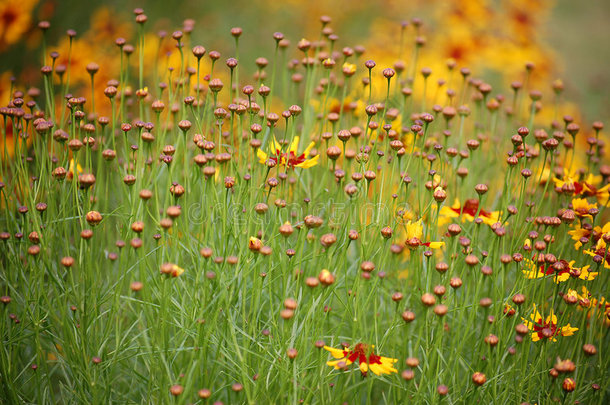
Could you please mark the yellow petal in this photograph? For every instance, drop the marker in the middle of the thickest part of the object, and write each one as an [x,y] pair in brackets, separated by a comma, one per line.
[308,149]
[336,353]
[262,156]
[308,163]
[568,330]
[562,277]
[376,368]
[294,145]
[275,146]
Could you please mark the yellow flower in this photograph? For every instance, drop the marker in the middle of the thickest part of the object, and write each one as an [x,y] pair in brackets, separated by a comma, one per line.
[569,178]
[602,194]
[415,231]
[290,158]
[362,354]
[597,233]
[560,274]
[584,272]
[548,328]
[600,250]
[577,234]
[581,207]
[467,213]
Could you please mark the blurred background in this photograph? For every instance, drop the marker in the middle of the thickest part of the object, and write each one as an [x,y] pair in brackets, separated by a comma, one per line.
[566,39]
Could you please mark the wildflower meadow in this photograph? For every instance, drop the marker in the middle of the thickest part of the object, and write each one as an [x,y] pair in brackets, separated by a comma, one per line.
[200,213]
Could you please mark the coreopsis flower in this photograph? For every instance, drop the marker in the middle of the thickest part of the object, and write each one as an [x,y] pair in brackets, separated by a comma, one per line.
[290,158]
[414,233]
[600,249]
[467,213]
[581,207]
[595,306]
[589,187]
[569,182]
[602,194]
[561,271]
[572,296]
[542,328]
[594,235]
[366,358]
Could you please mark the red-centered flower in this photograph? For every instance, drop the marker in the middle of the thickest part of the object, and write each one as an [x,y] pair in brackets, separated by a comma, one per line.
[561,271]
[602,250]
[467,212]
[362,354]
[547,327]
[594,235]
[290,158]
